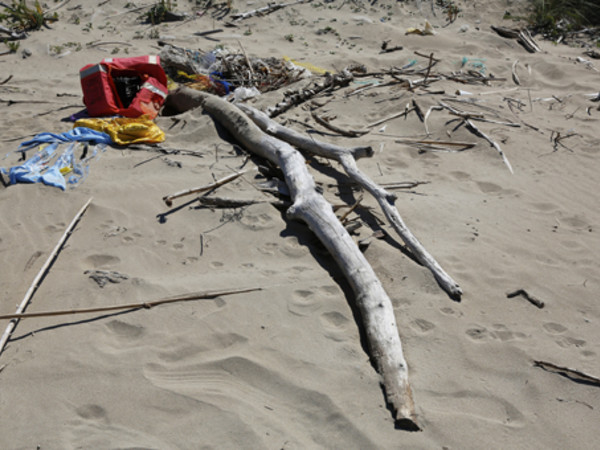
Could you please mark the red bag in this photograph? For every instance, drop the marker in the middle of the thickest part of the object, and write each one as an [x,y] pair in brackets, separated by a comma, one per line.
[129,87]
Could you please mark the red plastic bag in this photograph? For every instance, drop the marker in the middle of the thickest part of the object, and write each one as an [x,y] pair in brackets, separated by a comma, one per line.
[130,87]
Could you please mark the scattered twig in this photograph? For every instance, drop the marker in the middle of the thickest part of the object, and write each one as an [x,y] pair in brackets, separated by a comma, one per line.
[265,10]
[530,298]
[572,374]
[388,118]
[147,305]
[515,77]
[169,198]
[37,280]
[224,202]
[336,129]
[471,126]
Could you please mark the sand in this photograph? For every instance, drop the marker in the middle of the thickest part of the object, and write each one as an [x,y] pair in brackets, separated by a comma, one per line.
[285,367]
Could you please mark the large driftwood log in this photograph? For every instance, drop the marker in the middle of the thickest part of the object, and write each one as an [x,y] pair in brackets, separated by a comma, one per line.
[347,158]
[310,207]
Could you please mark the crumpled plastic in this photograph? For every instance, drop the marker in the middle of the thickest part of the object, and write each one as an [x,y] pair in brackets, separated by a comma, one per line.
[124,131]
[75,135]
[42,166]
[425,31]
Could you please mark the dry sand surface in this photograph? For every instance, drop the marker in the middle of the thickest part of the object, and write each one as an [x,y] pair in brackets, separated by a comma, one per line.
[285,367]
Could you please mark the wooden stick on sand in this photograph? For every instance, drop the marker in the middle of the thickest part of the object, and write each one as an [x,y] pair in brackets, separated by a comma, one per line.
[36,282]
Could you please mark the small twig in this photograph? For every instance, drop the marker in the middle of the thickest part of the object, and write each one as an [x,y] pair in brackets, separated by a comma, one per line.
[328,125]
[169,198]
[515,77]
[393,116]
[181,298]
[352,208]
[471,126]
[572,374]
[530,298]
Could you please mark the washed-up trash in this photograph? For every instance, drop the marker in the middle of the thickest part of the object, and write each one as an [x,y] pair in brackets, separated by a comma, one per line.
[49,166]
[474,63]
[221,71]
[244,93]
[427,30]
[129,87]
[77,134]
[124,131]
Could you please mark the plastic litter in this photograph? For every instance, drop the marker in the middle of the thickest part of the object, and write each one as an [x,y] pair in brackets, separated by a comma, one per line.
[124,131]
[427,30]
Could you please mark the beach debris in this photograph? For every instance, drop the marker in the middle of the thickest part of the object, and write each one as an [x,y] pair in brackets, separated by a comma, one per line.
[129,87]
[592,54]
[309,206]
[387,49]
[124,130]
[49,166]
[209,187]
[471,127]
[210,295]
[41,274]
[427,30]
[221,71]
[163,12]
[265,10]
[515,77]
[103,277]
[347,158]
[523,37]
[294,97]
[572,374]
[530,298]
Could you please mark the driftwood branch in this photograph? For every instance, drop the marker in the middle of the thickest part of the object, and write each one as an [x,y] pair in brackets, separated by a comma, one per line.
[310,207]
[37,280]
[180,298]
[385,199]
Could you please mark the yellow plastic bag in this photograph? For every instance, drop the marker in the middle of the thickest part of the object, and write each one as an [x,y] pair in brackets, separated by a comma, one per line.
[124,131]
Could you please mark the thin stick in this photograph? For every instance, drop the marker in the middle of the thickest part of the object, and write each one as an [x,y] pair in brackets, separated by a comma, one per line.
[393,116]
[480,133]
[530,298]
[572,374]
[36,282]
[514,72]
[169,198]
[180,298]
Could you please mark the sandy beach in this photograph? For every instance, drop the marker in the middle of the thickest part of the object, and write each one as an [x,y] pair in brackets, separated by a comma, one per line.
[287,366]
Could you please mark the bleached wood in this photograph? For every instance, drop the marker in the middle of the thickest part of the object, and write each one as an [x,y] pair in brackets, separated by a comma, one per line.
[373,302]
[385,199]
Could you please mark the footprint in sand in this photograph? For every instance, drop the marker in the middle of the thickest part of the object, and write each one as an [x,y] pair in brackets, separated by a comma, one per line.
[97,261]
[257,392]
[567,342]
[554,328]
[303,302]
[478,406]
[257,221]
[500,332]
[335,326]
[125,331]
[422,326]
[92,412]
